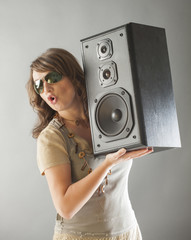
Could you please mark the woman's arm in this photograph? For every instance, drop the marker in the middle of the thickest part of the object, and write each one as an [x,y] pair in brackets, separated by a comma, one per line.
[69,198]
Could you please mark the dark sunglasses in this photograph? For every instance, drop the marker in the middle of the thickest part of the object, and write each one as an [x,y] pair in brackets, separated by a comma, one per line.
[52,77]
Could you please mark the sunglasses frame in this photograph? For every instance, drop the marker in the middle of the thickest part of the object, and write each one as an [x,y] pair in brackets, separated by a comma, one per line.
[38,84]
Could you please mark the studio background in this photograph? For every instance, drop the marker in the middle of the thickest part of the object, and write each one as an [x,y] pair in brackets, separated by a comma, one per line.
[159,184]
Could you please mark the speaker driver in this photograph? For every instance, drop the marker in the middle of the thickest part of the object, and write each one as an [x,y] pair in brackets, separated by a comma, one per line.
[111,115]
[108,74]
[104,49]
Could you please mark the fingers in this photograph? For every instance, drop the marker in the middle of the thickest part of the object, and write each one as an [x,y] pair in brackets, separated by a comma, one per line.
[141,152]
[122,155]
[132,154]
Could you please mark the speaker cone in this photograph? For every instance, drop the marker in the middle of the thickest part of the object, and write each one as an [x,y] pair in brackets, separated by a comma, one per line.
[111,115]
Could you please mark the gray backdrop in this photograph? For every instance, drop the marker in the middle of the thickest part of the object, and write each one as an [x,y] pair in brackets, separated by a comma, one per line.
[159,183]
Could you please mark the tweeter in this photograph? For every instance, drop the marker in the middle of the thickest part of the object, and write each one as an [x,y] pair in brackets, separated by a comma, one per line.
[108,74]
[104,49]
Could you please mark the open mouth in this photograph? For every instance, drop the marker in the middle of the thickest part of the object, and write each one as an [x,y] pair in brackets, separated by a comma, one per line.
[52,99]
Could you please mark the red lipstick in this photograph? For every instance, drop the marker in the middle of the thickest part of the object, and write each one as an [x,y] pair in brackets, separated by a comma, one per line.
[52,99]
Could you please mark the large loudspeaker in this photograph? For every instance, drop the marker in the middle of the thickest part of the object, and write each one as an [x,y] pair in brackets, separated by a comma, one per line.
[129,88]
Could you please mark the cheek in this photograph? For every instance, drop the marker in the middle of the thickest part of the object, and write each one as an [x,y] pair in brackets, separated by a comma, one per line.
[43,97]
[69,89]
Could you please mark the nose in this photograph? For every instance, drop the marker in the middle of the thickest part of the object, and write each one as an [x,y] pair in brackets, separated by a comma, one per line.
[47,87]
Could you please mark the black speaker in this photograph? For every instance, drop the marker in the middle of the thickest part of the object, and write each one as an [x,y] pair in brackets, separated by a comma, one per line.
[129,87]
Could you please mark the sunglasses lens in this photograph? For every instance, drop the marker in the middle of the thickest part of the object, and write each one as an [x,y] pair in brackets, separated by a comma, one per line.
[38,86]
[53,77]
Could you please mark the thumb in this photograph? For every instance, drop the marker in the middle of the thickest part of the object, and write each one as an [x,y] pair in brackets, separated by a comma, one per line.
[120,153]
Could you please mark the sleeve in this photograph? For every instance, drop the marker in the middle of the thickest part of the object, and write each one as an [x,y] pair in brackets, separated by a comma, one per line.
[51,149]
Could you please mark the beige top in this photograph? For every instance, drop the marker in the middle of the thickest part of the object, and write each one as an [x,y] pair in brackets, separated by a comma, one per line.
[52,148]
[109,214]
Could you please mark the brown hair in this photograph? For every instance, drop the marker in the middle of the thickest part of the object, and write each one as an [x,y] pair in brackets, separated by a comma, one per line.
[61,61]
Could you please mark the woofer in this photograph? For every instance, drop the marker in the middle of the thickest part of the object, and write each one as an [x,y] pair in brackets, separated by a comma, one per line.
[113,115]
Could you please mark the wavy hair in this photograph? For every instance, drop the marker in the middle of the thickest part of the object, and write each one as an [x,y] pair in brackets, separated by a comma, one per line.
[61,61]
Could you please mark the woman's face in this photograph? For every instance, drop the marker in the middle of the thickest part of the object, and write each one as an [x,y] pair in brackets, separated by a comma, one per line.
[59,96]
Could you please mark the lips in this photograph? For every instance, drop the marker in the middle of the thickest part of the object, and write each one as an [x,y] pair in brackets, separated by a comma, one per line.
[52,99]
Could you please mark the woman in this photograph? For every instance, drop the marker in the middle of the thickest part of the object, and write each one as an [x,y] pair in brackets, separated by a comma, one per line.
[90,193]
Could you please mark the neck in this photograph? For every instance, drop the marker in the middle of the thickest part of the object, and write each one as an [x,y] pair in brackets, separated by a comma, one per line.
[75,112]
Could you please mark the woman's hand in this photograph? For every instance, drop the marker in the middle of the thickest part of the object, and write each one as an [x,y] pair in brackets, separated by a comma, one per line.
[122,155]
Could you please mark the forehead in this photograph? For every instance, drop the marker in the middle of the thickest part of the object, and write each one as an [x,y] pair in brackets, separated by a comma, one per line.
[38,75]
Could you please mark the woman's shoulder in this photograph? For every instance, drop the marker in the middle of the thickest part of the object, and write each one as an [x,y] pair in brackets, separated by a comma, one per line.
[51,148]
[50,133]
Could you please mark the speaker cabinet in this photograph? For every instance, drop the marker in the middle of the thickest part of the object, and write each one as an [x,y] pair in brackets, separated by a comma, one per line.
[129,89]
